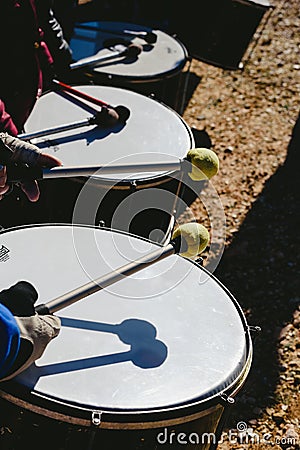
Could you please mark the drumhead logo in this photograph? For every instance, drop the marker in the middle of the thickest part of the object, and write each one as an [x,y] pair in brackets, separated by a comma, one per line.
[4,253]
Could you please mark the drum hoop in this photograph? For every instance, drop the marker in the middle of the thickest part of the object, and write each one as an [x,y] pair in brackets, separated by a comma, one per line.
[124,185]
[135,79]
[127,419]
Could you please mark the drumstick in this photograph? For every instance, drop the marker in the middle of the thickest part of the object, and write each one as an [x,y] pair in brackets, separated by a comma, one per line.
[123,111]
[200,163]
[188,240]
[80,94]
[105,117]
[132,51]
[148,36]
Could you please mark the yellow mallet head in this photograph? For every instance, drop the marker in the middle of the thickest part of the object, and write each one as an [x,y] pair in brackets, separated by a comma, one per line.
[205,163]
[195,238]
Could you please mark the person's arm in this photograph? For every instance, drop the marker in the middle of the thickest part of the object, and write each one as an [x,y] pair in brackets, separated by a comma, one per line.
[9,340]
[6,122]
[52,34]
[35,331]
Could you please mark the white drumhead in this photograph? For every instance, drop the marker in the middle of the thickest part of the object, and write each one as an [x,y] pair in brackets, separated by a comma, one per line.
[168,335]
[156,60]
[152,133]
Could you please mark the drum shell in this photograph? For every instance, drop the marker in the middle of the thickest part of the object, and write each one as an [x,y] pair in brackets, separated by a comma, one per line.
[73,436]
[58,199]
[108,198]
[16,209]
[168,90]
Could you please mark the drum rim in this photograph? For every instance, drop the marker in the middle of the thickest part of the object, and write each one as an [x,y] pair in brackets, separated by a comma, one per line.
[20,395]
[143,79]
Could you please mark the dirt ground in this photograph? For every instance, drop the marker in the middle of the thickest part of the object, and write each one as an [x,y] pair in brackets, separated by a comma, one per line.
[250,118]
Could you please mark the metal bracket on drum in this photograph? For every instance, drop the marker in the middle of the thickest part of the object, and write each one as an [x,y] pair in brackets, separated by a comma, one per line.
[199,261]
[133,186]
[254,329]
[96,418]
[101,224]
[227,402]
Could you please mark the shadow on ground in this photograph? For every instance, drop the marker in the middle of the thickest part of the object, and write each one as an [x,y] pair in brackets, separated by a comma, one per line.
[261,269]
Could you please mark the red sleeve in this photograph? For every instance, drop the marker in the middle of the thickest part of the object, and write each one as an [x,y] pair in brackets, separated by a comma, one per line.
[6,122]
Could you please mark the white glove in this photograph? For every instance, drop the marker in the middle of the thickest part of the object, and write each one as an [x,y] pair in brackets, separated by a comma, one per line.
[36,333]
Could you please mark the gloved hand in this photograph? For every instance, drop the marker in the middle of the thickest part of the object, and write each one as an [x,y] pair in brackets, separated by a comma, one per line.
[36,331]
[20,299]
[14,150]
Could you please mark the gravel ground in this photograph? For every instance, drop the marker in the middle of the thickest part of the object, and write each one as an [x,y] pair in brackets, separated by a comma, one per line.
[250,117]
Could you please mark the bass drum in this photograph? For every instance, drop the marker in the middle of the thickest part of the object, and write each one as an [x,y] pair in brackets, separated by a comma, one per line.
[154,359]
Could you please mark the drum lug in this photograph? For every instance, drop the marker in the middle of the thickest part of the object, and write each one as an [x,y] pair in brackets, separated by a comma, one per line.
[227,399]
[255,329]
[133,186]
[199,261]
[96,418]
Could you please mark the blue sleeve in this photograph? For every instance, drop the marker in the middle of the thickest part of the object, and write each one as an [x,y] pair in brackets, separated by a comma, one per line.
[9,340]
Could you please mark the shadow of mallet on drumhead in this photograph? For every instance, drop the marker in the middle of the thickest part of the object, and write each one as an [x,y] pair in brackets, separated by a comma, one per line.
[130,51]
[146,352]
[90,136]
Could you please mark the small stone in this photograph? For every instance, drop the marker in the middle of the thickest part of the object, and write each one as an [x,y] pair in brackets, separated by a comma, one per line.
[252,422]
[278,417]
[297,380]
[284,332]
[290,437]
[296,319]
